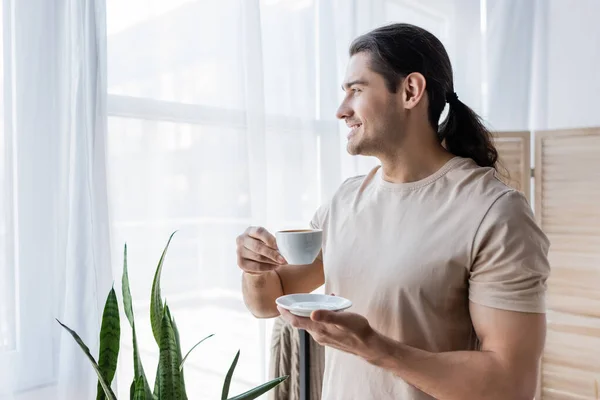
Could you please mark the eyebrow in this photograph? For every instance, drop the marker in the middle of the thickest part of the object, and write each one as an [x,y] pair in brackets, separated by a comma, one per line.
[348,85]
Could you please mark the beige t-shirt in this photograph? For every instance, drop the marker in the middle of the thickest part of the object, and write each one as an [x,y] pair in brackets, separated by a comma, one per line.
[410,256]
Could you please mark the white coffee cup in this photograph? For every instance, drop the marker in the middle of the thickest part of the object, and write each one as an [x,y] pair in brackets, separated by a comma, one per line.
[299,246]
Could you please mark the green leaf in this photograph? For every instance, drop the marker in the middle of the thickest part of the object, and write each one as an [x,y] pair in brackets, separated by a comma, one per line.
[110,336]
[157,382]
[132,390]
[140,389]
[227,382]
[127,303]
[138,368]
[179,361]
[196,345]
[169,374]
[105,386]
[259,390]
[156,304]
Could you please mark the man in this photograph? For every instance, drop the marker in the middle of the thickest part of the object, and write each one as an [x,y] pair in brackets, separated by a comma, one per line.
[444,264]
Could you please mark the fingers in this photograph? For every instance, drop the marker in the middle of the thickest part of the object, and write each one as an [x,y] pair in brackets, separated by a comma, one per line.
[316,317]
[255,253]
[250,255]
[333,317]
[320,332]
[254,267]
[260,233]
[296,321]
[257,247]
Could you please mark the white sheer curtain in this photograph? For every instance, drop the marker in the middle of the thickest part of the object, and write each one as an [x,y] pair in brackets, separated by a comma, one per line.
[540,64]
[84,274]
[55,243]
[220,116]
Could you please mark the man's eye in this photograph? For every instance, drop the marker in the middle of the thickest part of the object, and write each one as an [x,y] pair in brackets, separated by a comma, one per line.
[355,90]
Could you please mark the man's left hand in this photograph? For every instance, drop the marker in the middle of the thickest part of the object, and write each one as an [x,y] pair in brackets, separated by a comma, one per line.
[345,331]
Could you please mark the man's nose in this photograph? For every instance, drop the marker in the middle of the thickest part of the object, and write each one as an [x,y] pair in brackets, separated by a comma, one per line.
[344,111]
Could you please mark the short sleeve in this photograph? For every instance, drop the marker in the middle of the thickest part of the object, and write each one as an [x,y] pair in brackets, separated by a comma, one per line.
[510,258]
[319,221]
[319,218]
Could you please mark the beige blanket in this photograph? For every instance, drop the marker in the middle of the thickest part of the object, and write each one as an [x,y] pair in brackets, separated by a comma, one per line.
[285,360]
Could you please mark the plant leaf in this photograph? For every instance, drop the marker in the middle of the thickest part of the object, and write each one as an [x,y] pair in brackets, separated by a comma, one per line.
[179,362]
[228,377]
[138,369]
[110,336]
[169,375]
[140,389]
[132,390]
[156,304]
[259,390]
[157,382]
[196,345]
[105,386]
[127,303]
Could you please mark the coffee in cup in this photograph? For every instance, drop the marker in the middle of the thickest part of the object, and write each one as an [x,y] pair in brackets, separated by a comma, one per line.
[299,246]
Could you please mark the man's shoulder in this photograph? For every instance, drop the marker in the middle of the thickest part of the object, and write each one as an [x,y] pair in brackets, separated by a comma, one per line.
[480,183]
[357,183]
[348,190]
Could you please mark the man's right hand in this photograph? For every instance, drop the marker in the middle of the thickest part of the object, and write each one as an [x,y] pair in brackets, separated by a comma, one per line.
[267,275]
[257,251]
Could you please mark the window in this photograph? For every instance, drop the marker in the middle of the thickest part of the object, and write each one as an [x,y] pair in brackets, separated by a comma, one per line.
[214,125]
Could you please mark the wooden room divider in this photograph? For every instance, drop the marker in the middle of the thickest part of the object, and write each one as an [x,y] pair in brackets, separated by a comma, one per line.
[514,151]
[567,207]
[567,204]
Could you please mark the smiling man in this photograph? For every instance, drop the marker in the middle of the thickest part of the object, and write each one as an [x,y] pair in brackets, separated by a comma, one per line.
[444,264]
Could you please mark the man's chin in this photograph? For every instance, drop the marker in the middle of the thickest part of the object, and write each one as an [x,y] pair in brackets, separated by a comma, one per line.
[353,146]
[353,150]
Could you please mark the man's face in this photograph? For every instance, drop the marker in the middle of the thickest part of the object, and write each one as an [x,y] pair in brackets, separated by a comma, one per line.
[373,114]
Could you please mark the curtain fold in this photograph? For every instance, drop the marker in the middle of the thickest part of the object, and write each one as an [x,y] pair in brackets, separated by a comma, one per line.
[57,131]
[509,40]
[84,253]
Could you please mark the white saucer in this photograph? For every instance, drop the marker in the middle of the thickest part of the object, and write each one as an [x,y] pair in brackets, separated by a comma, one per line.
[303,305]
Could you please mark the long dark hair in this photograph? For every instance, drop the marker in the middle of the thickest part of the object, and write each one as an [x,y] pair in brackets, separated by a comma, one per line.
[400,49]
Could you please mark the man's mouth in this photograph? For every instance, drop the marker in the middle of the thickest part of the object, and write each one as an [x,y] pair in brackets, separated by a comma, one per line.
[353,129]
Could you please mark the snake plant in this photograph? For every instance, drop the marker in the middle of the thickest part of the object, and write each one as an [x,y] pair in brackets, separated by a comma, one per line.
[169,383]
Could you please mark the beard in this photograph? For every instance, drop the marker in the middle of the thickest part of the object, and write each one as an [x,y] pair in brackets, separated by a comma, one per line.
[353,148]
[378,136]
[361,144]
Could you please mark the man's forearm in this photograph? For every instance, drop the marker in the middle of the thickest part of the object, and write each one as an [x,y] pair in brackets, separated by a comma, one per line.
[453,375]
[260,292]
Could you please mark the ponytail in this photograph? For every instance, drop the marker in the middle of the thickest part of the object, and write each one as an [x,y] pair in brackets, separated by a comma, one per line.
[465,135]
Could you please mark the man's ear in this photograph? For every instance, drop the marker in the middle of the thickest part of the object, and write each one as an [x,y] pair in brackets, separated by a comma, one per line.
[413,89]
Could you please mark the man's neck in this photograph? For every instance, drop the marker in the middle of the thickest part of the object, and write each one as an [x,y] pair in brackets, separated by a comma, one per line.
[415,162]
